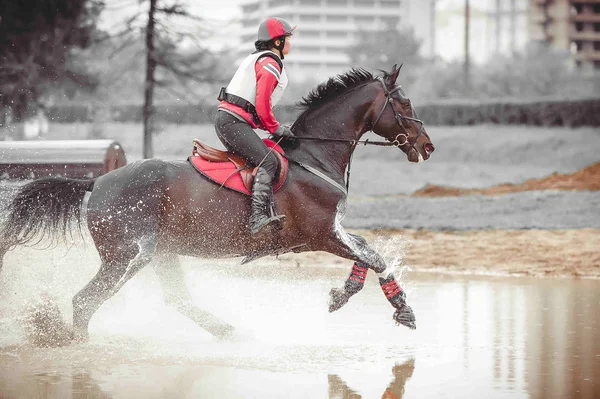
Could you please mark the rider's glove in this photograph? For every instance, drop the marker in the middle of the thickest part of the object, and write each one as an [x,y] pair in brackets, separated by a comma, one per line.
[284,131]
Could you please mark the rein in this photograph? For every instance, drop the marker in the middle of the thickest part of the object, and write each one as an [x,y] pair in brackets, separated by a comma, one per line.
[354,143]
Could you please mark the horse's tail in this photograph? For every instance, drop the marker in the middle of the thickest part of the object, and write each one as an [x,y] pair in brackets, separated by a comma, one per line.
[43,208]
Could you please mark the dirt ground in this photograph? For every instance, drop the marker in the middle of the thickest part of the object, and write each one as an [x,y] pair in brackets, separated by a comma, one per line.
[538,253]
[587,178]
[557,253]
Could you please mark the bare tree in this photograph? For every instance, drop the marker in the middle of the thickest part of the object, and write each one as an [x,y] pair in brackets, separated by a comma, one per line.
[149,86]
[467,64]
[162,52]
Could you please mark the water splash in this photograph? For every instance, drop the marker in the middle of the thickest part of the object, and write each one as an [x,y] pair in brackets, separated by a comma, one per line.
[44,325]
[393,250]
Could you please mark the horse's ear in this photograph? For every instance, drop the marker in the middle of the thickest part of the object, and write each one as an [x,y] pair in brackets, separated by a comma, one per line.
[393,75]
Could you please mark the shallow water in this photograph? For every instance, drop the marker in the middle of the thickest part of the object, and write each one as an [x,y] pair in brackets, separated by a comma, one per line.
[476,337]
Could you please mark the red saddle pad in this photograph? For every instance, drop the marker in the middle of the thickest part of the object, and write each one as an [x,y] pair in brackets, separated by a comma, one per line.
[227,174]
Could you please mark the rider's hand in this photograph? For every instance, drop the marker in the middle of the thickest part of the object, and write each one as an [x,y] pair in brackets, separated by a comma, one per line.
[284,131]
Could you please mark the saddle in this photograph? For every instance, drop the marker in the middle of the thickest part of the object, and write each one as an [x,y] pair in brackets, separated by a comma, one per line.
[232,171]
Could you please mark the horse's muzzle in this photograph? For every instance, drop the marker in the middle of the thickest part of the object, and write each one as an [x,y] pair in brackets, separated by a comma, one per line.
[429,148]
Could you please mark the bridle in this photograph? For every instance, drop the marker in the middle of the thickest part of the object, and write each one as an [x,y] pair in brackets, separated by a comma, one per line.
[397,116]
[388,143]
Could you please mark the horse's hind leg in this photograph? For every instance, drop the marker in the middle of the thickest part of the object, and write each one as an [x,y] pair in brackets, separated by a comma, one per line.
[118,266]
[172,282]
[2,253]
[4,247]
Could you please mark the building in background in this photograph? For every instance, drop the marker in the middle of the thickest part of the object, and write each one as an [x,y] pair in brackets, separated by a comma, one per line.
[326,28]
[496,27]
[571,25]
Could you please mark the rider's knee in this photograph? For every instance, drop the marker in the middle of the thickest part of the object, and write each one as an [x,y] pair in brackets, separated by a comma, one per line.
[270,164]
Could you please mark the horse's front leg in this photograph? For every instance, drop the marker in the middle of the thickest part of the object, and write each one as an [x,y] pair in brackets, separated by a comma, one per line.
[355,247]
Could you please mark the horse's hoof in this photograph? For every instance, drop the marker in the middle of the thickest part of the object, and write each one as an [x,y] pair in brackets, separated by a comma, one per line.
[406,317]
[79,337]
[227,333]
[337,299]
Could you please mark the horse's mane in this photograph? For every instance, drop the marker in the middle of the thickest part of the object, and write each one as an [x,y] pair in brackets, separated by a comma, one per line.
[332,88]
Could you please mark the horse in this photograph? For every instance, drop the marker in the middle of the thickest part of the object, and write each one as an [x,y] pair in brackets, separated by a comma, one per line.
[156,210]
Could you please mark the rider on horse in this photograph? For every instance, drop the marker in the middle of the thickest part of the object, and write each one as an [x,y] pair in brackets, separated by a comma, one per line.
[246,104]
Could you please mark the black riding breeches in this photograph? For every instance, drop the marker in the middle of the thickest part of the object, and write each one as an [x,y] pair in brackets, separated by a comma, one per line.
[239,137]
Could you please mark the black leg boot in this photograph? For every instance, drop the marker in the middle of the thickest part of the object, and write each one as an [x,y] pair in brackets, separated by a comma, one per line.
[404,314]
[262,210]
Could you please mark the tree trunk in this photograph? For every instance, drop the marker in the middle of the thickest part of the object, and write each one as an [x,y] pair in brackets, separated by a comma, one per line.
[467,66]
[498,26]
[149,88]
[513,27]
[432,30]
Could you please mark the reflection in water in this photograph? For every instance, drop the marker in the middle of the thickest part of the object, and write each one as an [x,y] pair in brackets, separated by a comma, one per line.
[544,336]
[339,390]
[477,337]
[55,385]
[402,372]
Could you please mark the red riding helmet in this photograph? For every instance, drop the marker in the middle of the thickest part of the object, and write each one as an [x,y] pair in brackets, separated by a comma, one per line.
[272,28]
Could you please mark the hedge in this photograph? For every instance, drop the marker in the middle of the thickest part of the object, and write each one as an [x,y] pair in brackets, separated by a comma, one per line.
[582,112]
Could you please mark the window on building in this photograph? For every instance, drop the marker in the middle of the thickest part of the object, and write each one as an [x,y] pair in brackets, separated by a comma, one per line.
[597,64]
[311,65]
[390,21]
[389,4]
[336,49]
[596,8]
[336,3]
[248,8]
[311,3]
[337,18]
[336,35]
[279,3]
[364,3]
[578,26]
[310,18]
[309,34]
[248,23]
[597,46]
[364,20]
[310,49]
[597,27]
[339,63]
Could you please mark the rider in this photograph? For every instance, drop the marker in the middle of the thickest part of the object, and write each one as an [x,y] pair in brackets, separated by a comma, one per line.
[246,104]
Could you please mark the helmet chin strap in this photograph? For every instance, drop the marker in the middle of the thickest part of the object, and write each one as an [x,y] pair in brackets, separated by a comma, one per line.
[281,46]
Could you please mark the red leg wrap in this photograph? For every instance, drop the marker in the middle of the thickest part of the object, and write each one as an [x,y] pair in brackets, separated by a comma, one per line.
[392,291]
[356,279]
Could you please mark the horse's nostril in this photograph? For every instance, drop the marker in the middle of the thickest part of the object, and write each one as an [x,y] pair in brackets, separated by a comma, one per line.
[429,147]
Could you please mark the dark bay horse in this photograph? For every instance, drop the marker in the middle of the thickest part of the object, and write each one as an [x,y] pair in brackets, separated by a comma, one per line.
[156,210]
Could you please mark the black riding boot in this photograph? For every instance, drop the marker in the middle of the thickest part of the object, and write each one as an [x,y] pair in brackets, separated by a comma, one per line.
[262,208]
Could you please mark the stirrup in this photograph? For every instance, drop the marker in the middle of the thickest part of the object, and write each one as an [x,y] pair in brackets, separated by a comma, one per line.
[257,226]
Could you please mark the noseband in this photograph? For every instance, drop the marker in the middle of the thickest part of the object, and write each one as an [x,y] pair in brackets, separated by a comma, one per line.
[397,116]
